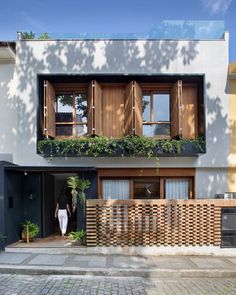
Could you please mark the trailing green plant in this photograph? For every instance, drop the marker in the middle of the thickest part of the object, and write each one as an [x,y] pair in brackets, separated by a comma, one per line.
[33,228]
[77,235]
[78,187]
[131,146]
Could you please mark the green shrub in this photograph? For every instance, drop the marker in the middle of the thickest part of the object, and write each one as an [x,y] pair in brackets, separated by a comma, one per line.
[32,228]
[77,235]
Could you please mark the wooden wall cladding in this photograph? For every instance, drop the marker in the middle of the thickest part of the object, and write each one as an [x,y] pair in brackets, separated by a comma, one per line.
[154,222]
[189,113]
[113,111]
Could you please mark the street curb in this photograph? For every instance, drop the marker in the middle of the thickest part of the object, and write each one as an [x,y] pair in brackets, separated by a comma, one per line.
[112,272]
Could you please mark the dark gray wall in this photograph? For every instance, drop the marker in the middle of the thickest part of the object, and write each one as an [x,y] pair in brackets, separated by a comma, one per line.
[48,204]
[2,205]
[32,198]
[91,193]
[13,216]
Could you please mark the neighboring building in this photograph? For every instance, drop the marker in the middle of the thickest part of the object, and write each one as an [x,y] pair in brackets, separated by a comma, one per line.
[164,88]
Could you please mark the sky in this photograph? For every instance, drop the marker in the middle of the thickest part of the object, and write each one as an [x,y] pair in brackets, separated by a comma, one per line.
[110,16]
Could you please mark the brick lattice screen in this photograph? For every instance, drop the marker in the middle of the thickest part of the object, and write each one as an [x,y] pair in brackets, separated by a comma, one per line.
[159,222]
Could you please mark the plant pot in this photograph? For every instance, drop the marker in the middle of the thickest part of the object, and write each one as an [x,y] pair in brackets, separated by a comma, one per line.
[24,237]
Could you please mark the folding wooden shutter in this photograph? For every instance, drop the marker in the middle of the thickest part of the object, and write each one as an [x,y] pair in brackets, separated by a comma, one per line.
[189,112]
[90,108]
[128,124]
[176,110]
[138,113]
[49,110]
[94,109]
[98,108]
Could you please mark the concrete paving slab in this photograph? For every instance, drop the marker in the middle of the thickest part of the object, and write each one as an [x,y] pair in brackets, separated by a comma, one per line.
[231,259]
[130,262]
[48,260]
[211,262]
[87,261]
[12,258]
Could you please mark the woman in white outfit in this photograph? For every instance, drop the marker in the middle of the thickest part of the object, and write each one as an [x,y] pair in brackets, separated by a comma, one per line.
[62,208]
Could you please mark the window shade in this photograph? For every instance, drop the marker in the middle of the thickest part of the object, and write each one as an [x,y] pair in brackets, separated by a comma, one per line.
[115,189]
[177,189]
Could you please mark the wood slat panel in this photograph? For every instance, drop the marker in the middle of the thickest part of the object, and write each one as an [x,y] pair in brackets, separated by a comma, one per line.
[189,112]
[49,110]
[154,222]
[128,127]
[138,113]
[113,111]
[176,110]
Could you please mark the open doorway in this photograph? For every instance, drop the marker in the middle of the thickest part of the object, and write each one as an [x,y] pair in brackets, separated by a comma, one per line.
[54,185]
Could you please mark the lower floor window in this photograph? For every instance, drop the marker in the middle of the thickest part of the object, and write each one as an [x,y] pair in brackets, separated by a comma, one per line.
[147,188]
[116,189]
[177,189]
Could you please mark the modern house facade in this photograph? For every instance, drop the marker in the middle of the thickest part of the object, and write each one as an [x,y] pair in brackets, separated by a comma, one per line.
[141,118]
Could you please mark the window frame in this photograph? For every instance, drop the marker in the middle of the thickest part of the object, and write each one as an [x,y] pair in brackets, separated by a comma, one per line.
[151,93]
[162,179]
[73,123]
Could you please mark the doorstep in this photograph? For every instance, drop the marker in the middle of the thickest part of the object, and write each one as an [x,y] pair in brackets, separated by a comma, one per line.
[133,250]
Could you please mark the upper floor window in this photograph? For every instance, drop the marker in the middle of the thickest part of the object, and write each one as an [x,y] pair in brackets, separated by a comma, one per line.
[71,114]
[156,114]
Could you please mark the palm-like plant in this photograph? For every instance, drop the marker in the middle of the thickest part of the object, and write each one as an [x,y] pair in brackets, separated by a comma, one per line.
[81,184]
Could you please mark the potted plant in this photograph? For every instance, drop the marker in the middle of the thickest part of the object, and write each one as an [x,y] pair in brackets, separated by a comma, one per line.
[30,228]
[77,237]
[78,186]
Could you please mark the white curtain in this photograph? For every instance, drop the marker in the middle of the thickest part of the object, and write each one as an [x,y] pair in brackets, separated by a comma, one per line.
[115,189]
[177,189]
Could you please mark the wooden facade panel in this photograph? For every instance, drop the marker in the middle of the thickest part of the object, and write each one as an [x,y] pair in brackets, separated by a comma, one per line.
[113,111]
[128,111]
[49,110]
[138,113]
[176,110]
[189,112]
[146,172]
[152,222]
[97,108]
[90,108]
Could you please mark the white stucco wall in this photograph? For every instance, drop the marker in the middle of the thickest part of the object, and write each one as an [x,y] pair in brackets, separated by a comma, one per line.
[131,57]
[8,112]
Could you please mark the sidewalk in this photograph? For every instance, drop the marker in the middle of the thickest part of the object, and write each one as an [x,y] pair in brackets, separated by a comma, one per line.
[118,265]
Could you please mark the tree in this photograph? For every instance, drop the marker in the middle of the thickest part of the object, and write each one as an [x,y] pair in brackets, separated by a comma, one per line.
[26,35]
[44,36]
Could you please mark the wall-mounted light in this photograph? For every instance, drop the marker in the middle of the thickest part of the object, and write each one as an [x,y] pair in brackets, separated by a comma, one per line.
[25,173]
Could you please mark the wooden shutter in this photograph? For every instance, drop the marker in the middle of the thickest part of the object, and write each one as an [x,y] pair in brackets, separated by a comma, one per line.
[133,109]
[176,110]
[129,109]
[189,112]
[113,111]
[49,110]
[138,113]
[94,109]
[90,108]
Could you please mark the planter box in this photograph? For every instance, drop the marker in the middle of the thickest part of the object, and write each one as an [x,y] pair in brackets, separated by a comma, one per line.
[188,149]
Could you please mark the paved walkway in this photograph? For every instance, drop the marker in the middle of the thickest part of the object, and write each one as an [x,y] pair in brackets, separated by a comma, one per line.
[76,285]
[118,265]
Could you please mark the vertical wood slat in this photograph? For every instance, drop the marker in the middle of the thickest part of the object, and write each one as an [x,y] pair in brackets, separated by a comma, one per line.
[176,110]
[189,112]
[113,111]
[133,121]
[49,110]
[94,108]
[154,222]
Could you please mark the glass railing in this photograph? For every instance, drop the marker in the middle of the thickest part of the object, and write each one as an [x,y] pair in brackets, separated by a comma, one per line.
[169,29]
